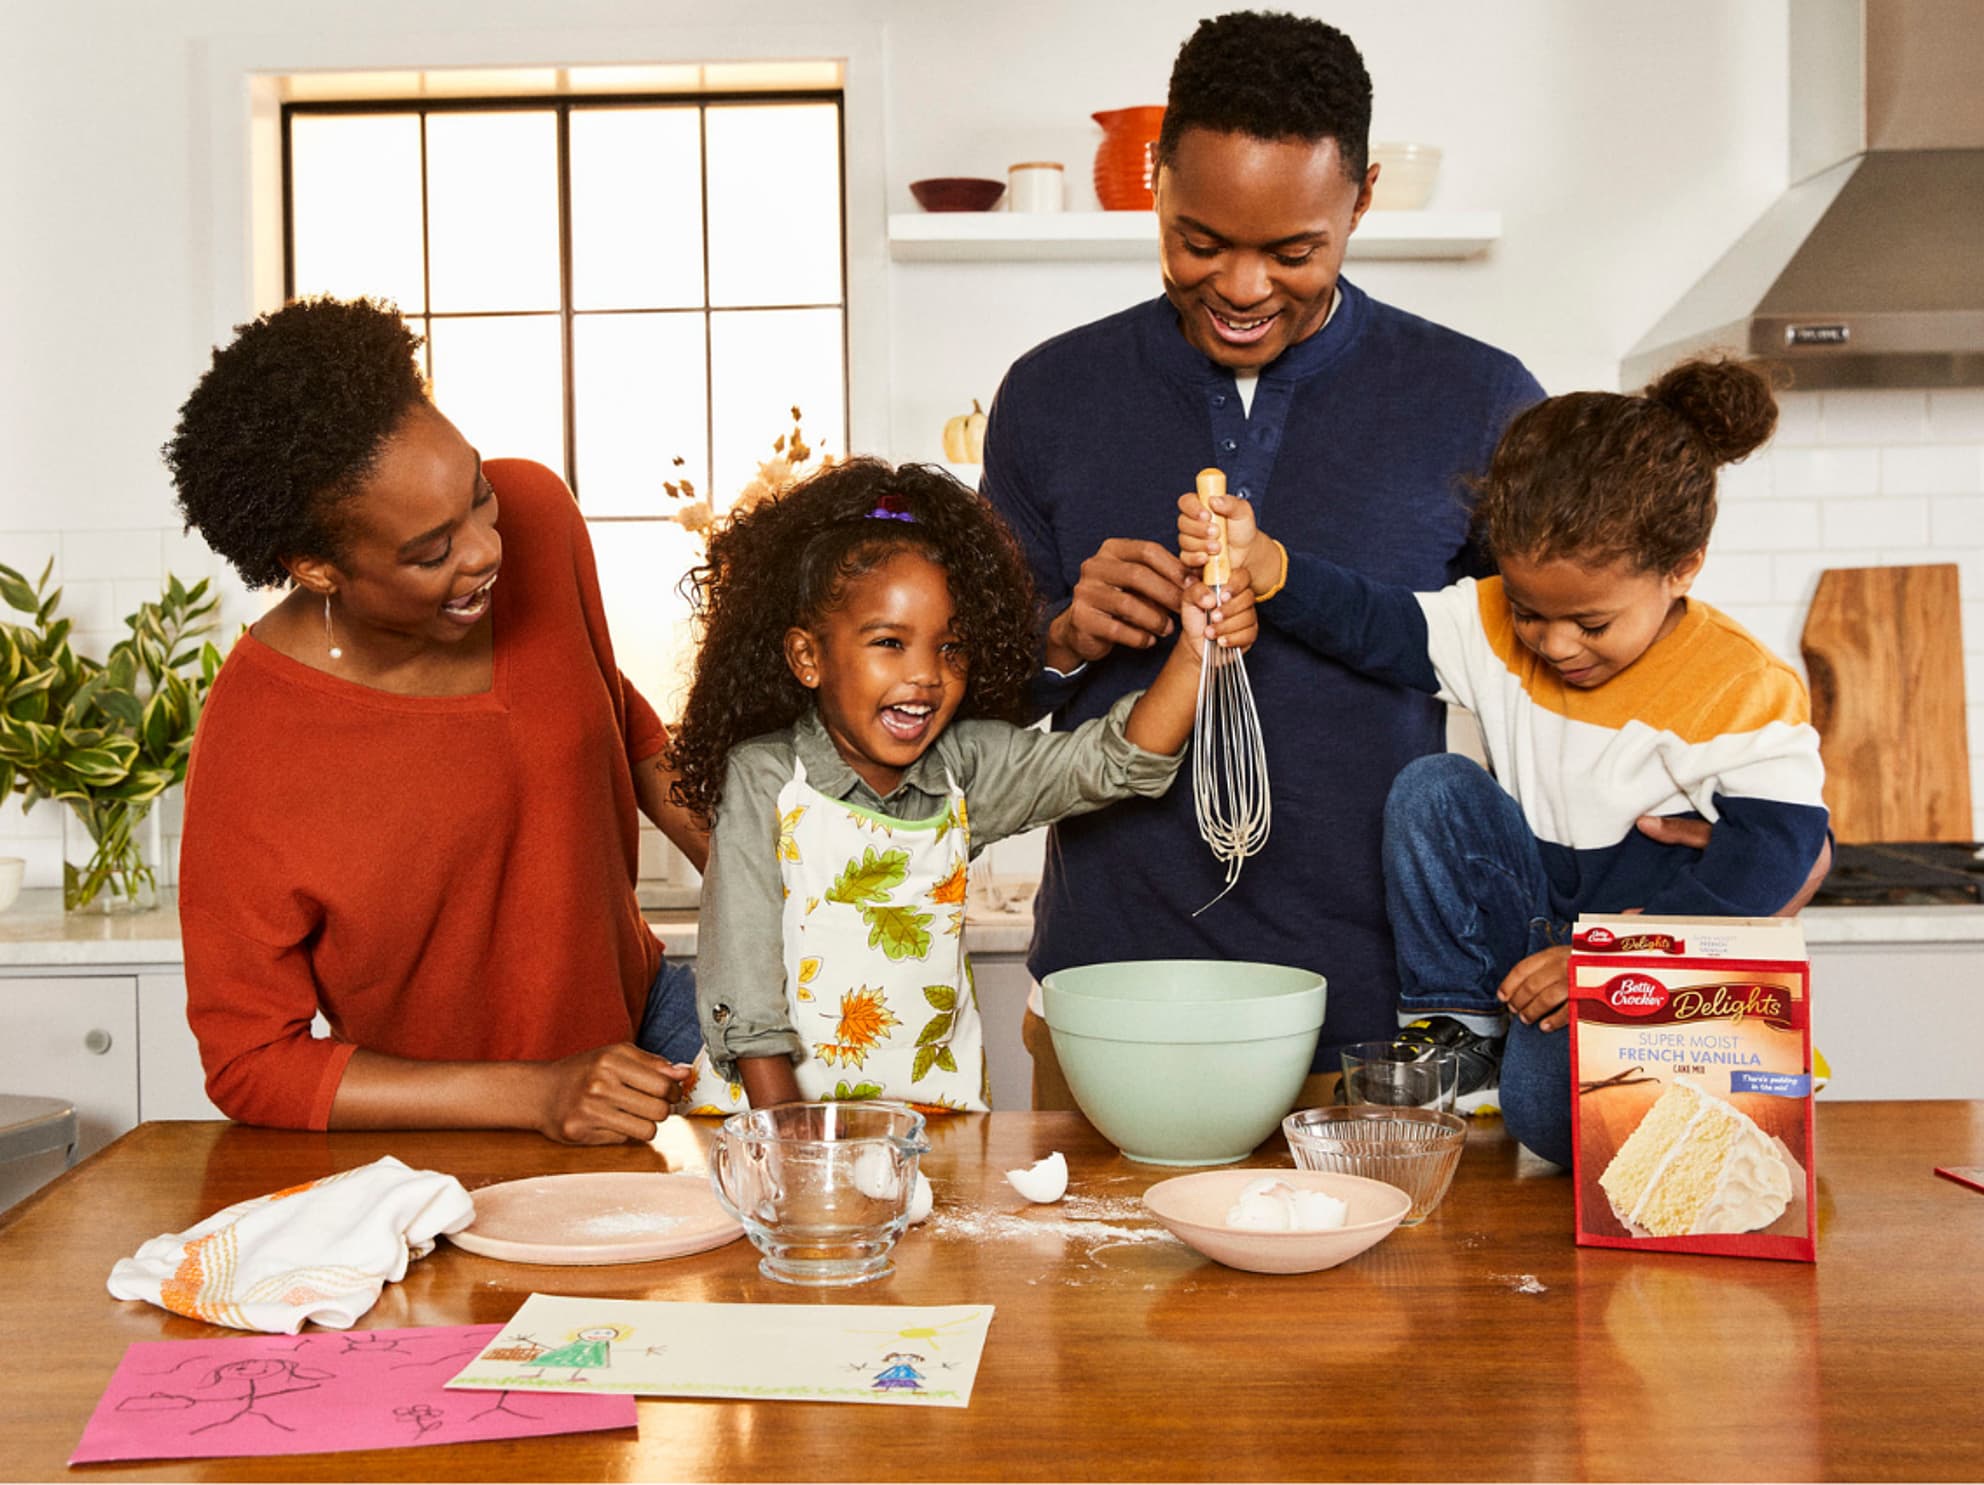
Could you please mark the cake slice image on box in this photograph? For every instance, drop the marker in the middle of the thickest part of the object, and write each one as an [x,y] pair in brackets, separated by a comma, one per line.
[1697,1165]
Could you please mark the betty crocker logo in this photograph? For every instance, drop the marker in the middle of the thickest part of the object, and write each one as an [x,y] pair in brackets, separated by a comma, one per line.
[1635,995]
[1605,941]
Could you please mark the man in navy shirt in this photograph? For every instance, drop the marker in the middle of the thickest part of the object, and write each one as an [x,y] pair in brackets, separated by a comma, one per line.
[1352,426]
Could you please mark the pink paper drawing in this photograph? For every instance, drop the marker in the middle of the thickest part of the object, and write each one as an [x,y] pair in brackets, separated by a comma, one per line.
[322,1392]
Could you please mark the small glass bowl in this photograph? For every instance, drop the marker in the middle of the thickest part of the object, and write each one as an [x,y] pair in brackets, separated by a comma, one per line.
[1416,1150]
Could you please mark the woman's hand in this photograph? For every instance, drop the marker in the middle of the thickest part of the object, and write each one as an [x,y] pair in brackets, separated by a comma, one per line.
[607,1095]
[1231,619]
[1246,547]
[1538,989]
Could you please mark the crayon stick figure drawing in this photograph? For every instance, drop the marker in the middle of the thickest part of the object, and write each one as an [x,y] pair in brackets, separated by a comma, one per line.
[899,1373]
[766,1352]
[278,1394]
[588,1349]
[242,1385]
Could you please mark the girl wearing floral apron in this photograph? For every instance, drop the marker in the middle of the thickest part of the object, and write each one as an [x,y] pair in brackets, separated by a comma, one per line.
[868,646]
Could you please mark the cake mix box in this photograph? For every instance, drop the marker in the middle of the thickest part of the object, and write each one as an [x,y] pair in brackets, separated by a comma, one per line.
[1691,1065]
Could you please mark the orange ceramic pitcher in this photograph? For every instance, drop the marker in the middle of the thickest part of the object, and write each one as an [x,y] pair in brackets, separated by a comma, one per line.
[1124,163]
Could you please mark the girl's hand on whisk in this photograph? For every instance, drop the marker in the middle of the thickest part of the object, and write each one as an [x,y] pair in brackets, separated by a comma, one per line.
[1230,617]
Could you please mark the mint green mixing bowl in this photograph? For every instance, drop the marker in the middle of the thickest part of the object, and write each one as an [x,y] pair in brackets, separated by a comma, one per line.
[1184,1061]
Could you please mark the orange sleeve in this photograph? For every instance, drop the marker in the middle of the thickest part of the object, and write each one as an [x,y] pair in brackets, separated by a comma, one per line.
[250,1006]
[646,735]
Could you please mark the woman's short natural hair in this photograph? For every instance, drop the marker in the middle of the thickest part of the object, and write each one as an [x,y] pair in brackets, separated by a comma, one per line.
[287,422]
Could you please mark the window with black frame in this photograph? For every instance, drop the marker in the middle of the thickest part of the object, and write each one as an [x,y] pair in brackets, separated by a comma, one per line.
[634,291]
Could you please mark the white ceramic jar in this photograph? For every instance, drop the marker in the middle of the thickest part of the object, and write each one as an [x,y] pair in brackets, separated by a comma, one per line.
[1036,185]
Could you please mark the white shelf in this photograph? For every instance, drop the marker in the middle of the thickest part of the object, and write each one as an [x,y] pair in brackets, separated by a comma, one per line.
[966,236]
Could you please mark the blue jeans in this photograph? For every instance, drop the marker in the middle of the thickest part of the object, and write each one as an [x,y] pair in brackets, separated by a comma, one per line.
[1467,897]
[668,1026]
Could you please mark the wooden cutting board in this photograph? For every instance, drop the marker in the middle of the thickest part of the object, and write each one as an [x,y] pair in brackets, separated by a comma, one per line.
[1883,651]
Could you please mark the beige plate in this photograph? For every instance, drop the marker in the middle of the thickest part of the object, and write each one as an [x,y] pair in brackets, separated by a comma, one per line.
[597,1217]
[1195,1207]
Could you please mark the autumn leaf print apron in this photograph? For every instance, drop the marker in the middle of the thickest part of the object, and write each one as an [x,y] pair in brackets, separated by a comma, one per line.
[876,979]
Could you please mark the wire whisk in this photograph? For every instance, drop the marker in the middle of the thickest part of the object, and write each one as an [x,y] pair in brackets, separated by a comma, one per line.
[1229,762]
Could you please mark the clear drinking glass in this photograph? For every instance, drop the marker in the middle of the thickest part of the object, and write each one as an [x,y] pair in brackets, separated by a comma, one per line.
[1401,1075]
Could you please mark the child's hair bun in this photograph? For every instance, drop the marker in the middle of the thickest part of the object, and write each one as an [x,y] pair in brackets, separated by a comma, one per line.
[1728,403]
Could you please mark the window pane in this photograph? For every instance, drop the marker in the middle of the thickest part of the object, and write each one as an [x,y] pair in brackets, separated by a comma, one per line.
[354,185]
[492,210]
[762,364]
[638,385]
[774,191]
[637,208]
[499,380]
[641,564]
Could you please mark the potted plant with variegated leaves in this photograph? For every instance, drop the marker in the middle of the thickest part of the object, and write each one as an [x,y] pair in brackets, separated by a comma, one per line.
[104,738]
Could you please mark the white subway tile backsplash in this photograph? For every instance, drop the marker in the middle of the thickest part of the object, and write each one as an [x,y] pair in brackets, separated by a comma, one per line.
[129,594]
[1749,480]
[43,855]
[1972,611]
[1957,520]
[185,556]
[1933,469]
[27,552]
[1752,526]
[1795,576]
[1956,414]
[43,822]
[90,605]
[1734,577]
[1973,673]
[1868,525]
[1825,471]
[1875,417]
[111,554]
[1798,420]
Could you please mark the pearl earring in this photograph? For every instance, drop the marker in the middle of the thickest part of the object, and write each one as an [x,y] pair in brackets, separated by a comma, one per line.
[330,636]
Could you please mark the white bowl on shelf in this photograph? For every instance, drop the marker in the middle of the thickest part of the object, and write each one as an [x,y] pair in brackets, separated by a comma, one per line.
[1406,173]
[12,869]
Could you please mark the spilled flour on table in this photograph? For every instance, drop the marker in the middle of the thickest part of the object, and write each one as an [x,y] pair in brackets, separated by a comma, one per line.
[1094,1223]
[1522,1283]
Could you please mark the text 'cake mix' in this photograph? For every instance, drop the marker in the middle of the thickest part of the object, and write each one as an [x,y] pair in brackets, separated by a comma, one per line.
[1691,1066]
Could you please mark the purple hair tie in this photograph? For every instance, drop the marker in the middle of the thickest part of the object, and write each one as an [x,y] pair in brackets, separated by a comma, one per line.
[890,508]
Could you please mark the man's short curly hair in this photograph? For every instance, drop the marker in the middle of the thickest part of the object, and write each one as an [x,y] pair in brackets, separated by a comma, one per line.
[1271,75]
[788,561]
[286,423]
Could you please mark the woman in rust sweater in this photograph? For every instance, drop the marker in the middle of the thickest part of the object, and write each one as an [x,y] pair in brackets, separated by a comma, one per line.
[412,802]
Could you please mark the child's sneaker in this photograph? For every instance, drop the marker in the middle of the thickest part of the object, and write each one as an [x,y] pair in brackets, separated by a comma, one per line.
[1480,1060]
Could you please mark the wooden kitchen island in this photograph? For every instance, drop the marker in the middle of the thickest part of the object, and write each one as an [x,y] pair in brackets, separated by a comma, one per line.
[1481,1345]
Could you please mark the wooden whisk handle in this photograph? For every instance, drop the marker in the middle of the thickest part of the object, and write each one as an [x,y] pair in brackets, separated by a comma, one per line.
[1219,567]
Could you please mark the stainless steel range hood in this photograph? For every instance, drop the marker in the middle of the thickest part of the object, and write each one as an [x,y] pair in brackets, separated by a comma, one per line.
[1869,271]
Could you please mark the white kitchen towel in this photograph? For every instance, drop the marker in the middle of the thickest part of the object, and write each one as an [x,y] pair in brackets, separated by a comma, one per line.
[321,1251]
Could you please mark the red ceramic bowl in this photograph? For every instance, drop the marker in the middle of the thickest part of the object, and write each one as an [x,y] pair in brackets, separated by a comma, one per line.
[957,193]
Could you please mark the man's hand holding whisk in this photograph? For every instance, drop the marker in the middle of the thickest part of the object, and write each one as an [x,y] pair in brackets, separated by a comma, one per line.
[1258,560]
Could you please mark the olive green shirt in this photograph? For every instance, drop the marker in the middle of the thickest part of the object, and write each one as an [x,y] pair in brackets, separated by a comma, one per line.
[1013,778]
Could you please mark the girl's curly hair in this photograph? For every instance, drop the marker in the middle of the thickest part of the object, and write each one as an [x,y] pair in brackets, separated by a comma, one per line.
[1597,477]
[286,424]
[787,561]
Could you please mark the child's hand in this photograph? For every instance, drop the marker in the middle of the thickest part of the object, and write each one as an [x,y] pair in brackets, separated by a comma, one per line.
[1538,989]
[1233,621]
[1244,542]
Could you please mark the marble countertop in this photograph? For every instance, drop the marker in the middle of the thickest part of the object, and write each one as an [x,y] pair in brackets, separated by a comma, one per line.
[36,934]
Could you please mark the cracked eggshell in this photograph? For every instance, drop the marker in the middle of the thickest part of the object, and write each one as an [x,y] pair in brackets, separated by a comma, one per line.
[1043,1181]
[921,1200]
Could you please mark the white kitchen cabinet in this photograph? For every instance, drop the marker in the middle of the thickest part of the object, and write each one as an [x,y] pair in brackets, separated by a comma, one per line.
[72,1037]
[171,1082]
